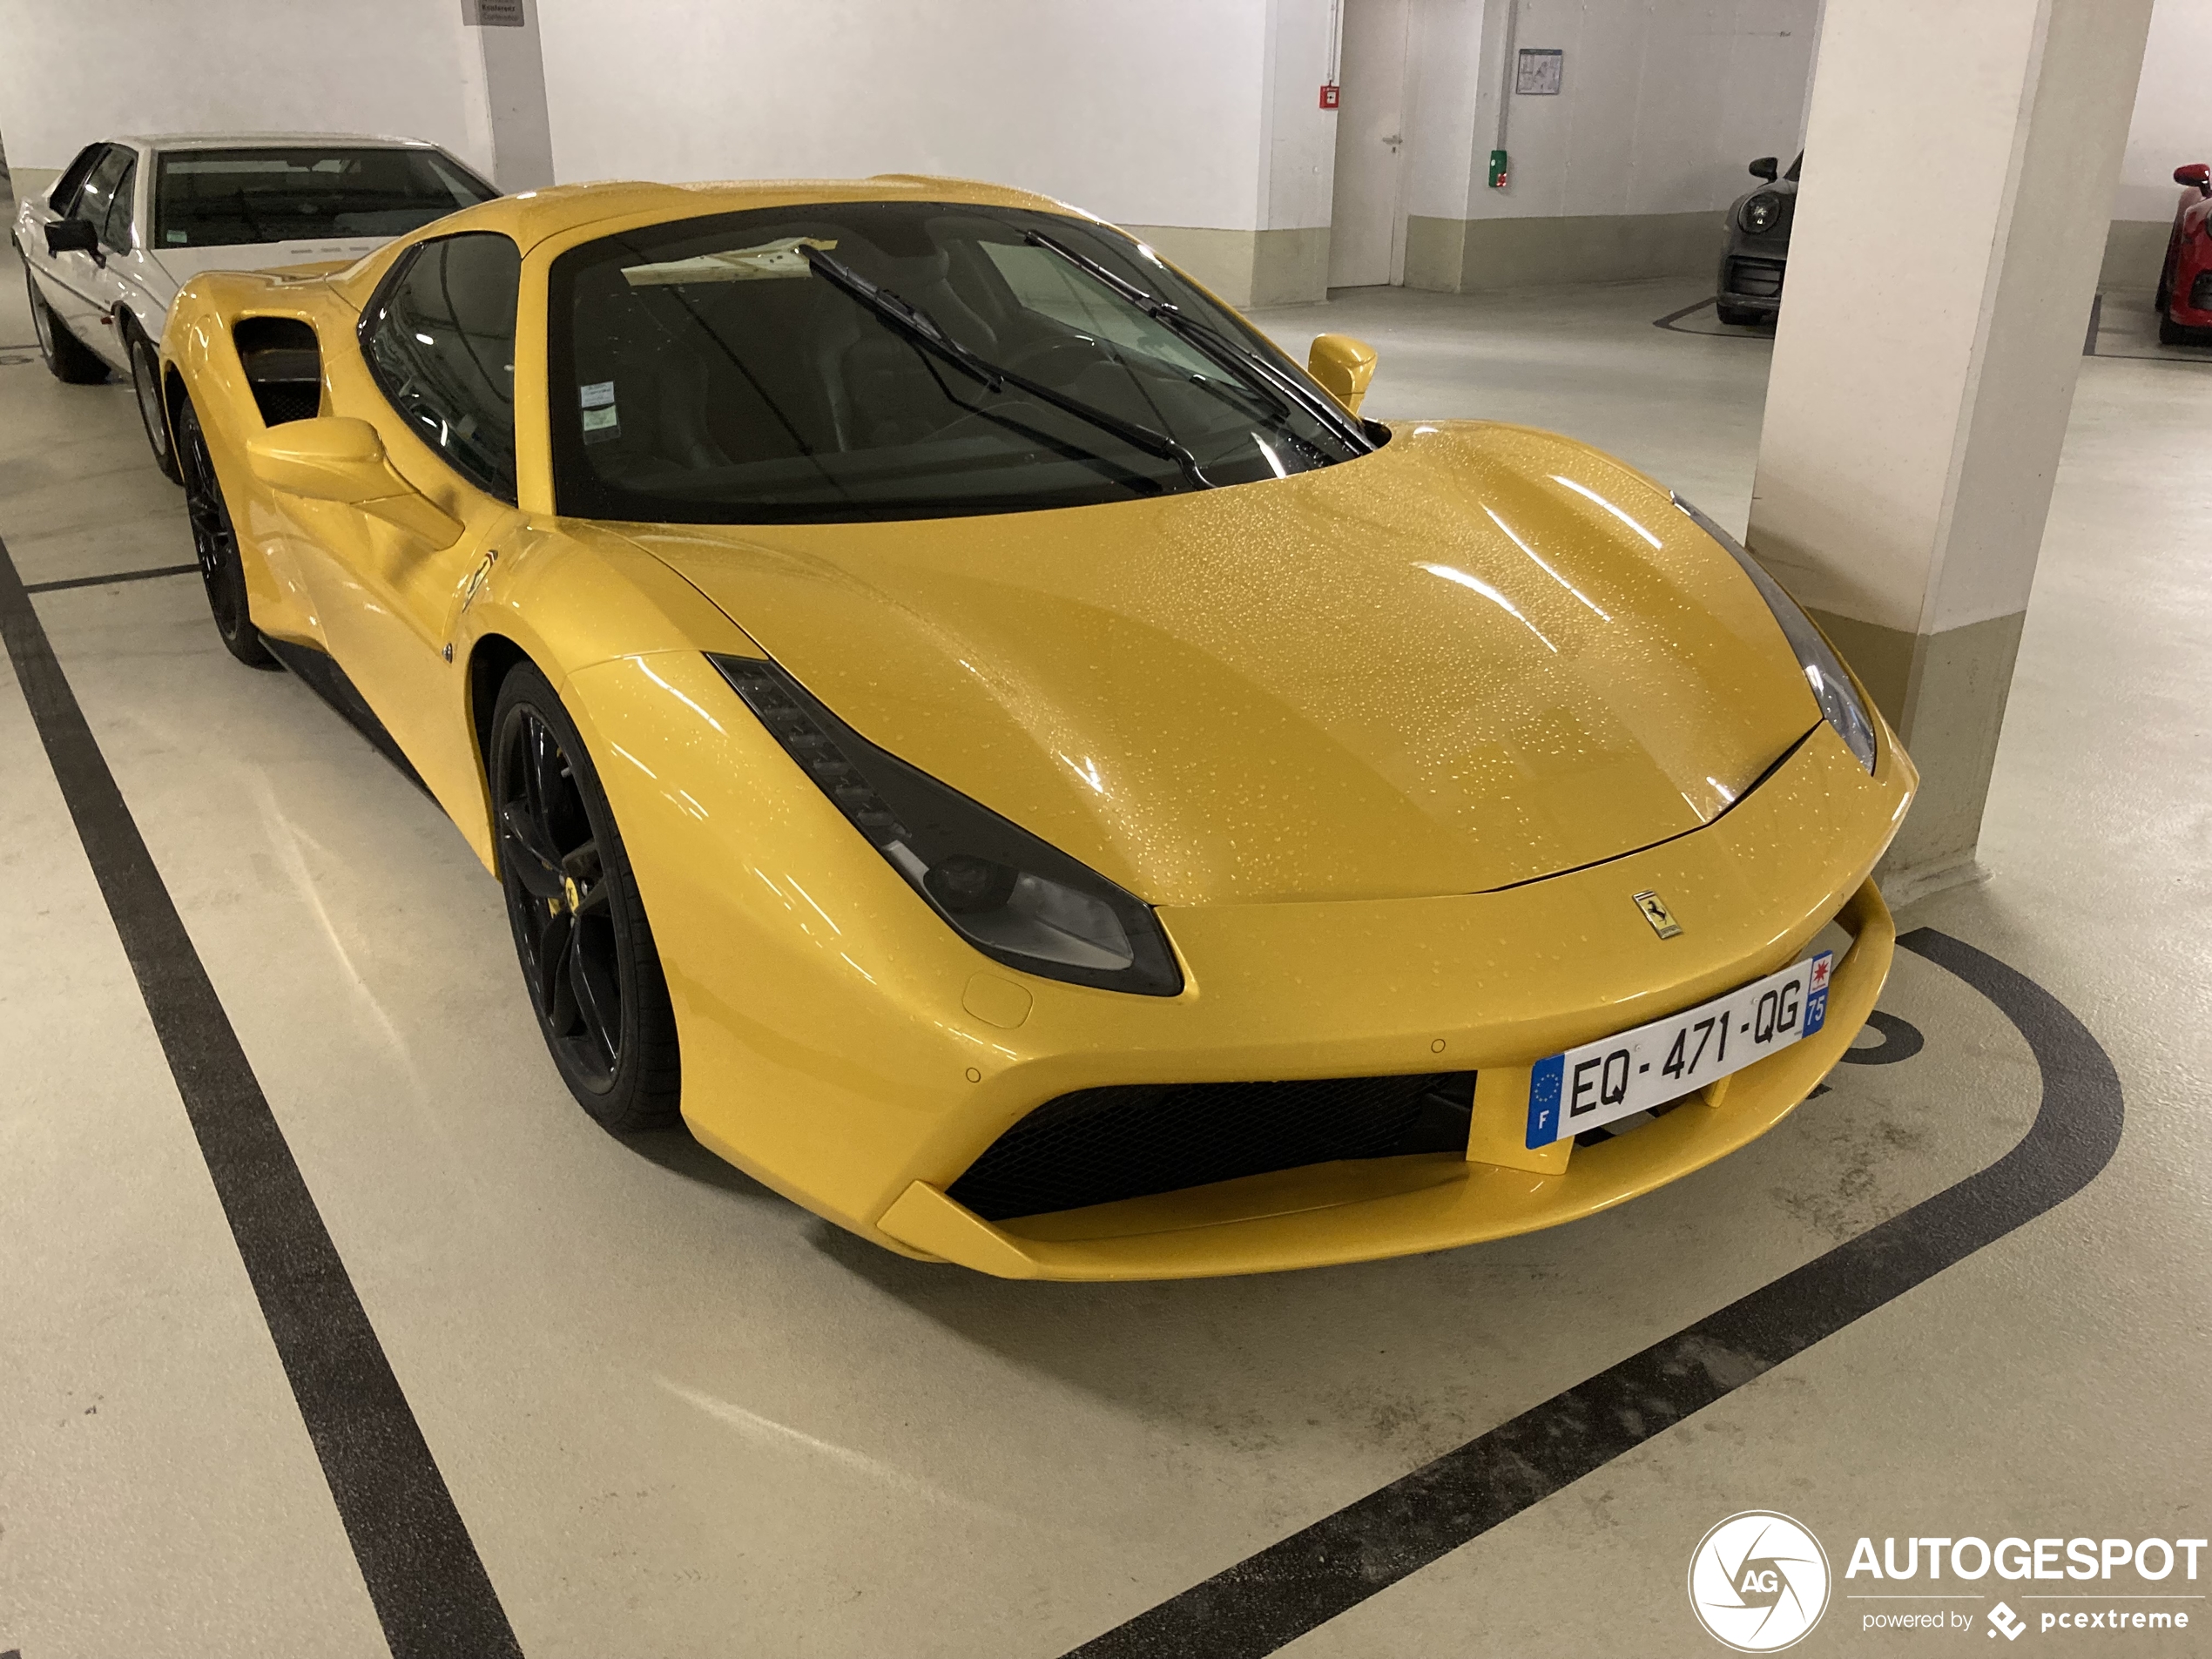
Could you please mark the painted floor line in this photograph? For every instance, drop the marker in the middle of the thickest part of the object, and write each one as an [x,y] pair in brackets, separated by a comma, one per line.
[115,576]
[1271,1599]
[432,1596]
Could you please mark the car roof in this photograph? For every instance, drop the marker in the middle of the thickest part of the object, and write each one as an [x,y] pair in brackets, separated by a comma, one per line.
[272,140]
[532,215]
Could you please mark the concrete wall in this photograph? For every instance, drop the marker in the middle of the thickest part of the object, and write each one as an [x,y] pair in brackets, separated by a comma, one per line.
[1627,171]
[70,74]
[1298,156]
[1198,125]
[2173,119]
[2172,126]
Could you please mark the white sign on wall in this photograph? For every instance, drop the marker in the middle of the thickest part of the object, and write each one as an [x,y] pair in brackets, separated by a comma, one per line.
[1538,73]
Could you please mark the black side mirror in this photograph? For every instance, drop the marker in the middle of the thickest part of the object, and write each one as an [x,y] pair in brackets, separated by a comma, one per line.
[1765,167]
[72,236]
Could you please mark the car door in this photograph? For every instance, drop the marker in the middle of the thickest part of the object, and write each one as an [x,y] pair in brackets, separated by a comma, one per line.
[70,279]
[436,376]
[115,283]
[37,212]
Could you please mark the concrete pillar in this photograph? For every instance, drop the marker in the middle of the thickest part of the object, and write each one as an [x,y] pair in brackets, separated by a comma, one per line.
[1284,260]
[503,76]
[1959,161]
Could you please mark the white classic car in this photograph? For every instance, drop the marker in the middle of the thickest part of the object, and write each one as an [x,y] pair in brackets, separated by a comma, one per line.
[132,219]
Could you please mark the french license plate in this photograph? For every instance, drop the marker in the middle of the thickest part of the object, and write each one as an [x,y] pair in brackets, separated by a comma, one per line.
[1618,1075]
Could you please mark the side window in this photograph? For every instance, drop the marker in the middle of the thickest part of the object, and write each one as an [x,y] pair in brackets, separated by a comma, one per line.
[115,230]
[440,341]
[98,195]
[63,197]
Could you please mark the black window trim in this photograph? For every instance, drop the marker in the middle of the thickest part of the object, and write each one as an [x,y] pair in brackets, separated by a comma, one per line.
[373,312]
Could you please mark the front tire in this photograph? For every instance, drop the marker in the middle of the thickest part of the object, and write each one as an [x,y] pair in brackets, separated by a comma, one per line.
[215,541]
[68,359]
[587,953]
[1736,317]
[146,380]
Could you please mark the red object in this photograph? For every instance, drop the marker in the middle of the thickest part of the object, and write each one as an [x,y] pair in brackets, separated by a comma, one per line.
[1330,92]
[2185,284]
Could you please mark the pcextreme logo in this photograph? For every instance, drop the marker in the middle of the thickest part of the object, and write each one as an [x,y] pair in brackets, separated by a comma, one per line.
[1758,1581]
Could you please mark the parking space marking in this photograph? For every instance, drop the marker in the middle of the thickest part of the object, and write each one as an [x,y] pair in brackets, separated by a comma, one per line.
[101,582]
[1672,323]
[432,1596]
[1271,1599]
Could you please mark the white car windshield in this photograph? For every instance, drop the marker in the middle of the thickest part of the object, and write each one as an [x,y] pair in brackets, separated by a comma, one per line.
[236,198]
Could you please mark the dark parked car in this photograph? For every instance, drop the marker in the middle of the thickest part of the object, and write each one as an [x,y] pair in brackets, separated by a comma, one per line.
[1758,245]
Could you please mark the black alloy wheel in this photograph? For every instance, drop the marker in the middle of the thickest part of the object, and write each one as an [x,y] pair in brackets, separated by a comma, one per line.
[214,540]
[68,358]
[146,380]
[589,963]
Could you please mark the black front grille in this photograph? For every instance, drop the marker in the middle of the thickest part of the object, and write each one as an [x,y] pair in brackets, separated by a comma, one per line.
[1099,1145]
[1757,279]
[2201,292]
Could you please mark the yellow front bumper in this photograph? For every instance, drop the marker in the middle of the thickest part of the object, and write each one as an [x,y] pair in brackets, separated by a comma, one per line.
[846,1048]
[1383,1207]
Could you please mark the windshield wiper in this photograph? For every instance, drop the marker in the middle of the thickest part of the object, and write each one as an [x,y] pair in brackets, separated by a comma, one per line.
[919,326]
[1229,353]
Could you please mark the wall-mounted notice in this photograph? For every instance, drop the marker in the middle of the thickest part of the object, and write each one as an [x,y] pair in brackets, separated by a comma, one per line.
[1538,73]
[492,14]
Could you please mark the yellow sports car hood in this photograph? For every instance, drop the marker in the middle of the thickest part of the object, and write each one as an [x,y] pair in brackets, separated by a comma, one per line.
[1479,655]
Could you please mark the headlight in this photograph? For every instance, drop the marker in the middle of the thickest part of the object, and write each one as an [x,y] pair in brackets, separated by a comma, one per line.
[1832,687]
[1018,900]
[1761,211]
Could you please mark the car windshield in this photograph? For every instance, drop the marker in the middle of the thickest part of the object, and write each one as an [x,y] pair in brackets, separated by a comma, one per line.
[881,361]
[236,198]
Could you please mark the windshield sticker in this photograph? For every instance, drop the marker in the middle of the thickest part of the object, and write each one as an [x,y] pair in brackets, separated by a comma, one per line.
[779,258]
[601,421]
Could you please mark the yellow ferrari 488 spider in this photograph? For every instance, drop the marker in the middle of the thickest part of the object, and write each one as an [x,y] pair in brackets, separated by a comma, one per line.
[1020,765]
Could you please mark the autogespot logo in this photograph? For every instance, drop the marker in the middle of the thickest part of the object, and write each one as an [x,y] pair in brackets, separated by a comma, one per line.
[1758,1581]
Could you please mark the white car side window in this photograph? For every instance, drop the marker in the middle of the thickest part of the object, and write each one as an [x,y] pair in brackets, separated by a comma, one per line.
[63,198]
[115,225]
[98,195]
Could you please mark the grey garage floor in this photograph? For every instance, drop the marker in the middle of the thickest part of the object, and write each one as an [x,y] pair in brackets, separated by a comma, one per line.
[681,1417]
